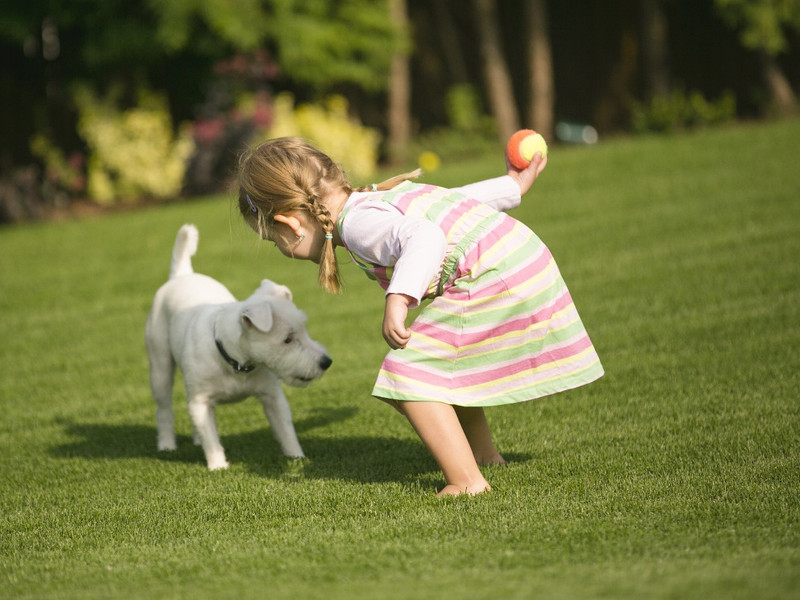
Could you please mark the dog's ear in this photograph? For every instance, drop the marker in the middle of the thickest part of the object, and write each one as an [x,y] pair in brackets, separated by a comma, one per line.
[282,290]
[273,289]
[259,316]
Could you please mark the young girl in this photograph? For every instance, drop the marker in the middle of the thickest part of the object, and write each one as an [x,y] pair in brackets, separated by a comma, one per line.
[501,326]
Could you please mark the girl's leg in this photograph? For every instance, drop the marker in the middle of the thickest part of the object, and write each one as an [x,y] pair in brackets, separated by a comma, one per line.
[473,422]
[439,428]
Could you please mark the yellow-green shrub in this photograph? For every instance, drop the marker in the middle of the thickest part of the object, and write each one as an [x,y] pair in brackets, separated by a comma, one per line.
[329,128]
[132,153]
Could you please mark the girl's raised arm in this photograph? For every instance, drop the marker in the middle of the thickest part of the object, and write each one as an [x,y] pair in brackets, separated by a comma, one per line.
[505,192]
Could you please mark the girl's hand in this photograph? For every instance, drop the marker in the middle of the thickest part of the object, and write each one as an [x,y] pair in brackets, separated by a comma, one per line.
[394,321]
[528,175]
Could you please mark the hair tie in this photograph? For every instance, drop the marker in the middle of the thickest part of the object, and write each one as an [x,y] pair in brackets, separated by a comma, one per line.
[374,187]
[250,202]
[328,236]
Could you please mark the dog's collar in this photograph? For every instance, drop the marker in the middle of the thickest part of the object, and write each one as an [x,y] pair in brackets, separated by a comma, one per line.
[237,366]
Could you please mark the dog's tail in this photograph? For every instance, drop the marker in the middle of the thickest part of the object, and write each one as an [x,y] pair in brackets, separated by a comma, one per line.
[183,251]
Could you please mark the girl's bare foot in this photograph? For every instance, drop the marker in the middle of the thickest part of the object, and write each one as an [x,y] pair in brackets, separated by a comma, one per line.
[473,421]
[454,490]
[490,459]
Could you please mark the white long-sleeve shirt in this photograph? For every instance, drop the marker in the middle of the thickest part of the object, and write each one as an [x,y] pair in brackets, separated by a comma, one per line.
[380,234]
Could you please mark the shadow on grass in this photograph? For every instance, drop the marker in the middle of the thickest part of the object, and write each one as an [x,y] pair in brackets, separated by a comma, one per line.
[355,458]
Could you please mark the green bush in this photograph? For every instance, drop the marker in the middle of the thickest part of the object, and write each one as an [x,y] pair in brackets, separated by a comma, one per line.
[329,128]
[681,110]
[133,153]
[65,173]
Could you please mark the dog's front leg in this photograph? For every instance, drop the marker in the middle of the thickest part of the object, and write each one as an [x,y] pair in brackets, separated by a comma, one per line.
[279,415]
[201,411]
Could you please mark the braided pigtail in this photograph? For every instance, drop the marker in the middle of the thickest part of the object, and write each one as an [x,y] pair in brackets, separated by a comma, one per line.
[328,277]
[324,180]
[391,182]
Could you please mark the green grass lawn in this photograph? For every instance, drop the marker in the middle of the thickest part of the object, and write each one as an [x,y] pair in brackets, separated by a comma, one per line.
[677,475]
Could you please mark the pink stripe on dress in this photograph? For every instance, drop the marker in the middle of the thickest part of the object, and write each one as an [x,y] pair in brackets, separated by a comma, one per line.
[464,336]
[406,200]
[526,365]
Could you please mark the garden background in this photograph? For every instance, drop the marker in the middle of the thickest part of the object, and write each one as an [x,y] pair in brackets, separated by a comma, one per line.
[118,101]
[677,230]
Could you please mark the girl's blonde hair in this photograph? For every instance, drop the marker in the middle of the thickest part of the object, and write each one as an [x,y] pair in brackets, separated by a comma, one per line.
[288,174]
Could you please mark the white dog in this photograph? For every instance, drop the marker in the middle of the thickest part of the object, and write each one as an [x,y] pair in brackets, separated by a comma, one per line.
[227,351]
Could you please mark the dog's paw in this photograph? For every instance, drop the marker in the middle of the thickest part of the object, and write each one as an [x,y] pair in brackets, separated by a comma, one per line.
[167,446]
[217,464]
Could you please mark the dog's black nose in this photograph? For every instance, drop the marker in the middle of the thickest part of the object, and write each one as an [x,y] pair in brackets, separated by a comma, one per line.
[325,362]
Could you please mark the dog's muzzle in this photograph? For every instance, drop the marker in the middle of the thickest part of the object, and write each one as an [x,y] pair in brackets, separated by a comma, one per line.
[323,363]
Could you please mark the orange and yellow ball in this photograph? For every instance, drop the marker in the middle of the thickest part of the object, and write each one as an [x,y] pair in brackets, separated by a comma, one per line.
[523,146]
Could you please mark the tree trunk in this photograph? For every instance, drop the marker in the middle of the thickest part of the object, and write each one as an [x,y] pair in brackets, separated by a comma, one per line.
[450,45]
[540,67]
[655,53]
[782,98]
[399,89]
[498,80]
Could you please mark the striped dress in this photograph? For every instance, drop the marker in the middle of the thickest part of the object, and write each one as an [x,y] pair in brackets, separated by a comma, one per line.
[501,326]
